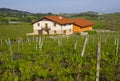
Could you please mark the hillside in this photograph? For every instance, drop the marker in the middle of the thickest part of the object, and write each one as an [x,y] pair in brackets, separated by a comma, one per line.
[14,13]
[7,15]
[101,21]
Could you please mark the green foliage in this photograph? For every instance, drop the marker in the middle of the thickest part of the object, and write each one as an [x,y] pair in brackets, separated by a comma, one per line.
[57,60]
[15,30]
[113,21]
[99,24]
[54,62]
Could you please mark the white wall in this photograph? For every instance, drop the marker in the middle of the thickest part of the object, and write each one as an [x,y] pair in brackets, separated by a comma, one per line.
[50,25]
[67,28]
[58,27]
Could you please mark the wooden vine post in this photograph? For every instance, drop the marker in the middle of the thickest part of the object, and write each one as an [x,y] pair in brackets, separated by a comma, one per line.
[1,42]
[84,45]
[40,43]
[98,61]
[28,40]
[0,45]
[36,43]
[75,44]
[18,46]
[117,46]
[59,41]
[116,49]
[11,52]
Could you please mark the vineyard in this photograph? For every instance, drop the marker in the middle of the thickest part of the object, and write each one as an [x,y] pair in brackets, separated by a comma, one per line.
[95,57]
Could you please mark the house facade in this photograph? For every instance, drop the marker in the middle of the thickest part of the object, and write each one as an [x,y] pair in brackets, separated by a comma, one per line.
[60,25]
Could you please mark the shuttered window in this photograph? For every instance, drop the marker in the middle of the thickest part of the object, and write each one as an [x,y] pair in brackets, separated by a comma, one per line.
[54,24]
[38,24]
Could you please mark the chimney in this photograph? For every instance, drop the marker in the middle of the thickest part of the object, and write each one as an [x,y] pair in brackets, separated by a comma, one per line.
[60,17]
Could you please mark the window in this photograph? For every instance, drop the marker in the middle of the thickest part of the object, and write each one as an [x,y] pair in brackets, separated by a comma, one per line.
[64,31]
[46,25]
[38,24]
[54,24]
[69,30]
[55,31]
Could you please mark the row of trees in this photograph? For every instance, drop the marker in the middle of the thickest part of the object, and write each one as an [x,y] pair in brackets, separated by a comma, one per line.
[7,20]
[8,15]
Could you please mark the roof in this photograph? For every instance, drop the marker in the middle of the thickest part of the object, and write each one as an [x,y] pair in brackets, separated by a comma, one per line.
[82,22]
[62,20]
[58,19]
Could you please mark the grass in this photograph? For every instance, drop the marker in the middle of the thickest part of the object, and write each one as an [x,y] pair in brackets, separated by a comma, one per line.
[20,30]
[99,24]
[15,30]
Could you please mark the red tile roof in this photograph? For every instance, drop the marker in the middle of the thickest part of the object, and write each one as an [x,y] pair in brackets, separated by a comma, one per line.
[82,22]
[62,20]
[59,19]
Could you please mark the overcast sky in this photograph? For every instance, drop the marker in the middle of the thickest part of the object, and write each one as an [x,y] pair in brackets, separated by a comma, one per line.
[62,6]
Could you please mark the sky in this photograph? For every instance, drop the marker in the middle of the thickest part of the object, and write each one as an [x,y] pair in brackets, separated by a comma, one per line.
[62,6]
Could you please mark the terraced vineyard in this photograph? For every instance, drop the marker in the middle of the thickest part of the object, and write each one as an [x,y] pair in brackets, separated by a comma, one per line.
[61,58]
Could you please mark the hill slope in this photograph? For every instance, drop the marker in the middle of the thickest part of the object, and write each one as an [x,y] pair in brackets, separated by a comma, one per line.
[101,21]
[14,15]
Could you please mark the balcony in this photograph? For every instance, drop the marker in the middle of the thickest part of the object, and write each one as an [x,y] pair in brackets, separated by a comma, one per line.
[45,28]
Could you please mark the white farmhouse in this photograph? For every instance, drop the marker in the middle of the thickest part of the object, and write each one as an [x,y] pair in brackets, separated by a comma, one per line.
[60,25]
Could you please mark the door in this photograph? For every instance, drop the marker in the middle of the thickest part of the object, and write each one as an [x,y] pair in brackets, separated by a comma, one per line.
[39,31]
